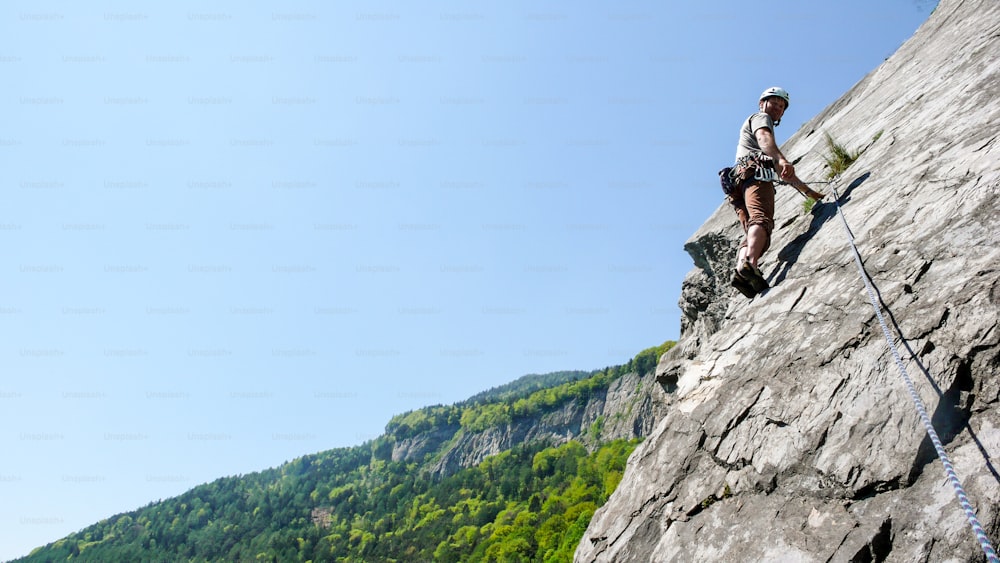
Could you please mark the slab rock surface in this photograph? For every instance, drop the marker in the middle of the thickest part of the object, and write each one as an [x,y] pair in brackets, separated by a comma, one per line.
[789,433]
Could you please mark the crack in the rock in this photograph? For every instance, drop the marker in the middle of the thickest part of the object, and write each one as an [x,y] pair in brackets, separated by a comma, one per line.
[737,420]
[826,431]
[987,143]
[878,547]
[876,488]
[628,525]
[737,339]
[776,422]
[729,466]
[923,270]
[797,299]
[843,541]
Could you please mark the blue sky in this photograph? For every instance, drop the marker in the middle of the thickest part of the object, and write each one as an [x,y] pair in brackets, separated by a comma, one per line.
[234,233]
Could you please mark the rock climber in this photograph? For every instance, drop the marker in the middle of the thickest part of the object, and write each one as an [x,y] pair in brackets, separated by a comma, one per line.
[759,163]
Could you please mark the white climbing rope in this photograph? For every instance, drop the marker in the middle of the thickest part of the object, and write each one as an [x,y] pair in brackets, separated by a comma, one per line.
[963,499]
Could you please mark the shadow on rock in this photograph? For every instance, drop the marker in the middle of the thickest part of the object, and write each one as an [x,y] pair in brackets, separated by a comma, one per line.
[846,196]
[951,416]
[821,213]
[954,408]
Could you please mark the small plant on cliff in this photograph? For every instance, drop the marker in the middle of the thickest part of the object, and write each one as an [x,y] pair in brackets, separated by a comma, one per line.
[838,157]
[808,204]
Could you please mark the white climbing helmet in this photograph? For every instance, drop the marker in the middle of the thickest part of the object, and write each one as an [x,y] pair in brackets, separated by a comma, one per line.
[776,91]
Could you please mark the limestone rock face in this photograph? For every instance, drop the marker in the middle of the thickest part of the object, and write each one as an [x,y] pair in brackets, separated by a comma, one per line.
[624,410]
[789,434]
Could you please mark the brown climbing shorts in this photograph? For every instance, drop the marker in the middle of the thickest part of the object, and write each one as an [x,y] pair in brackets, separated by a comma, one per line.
[757,208]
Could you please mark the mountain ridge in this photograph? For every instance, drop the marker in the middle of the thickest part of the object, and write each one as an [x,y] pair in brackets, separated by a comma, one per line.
[518,469]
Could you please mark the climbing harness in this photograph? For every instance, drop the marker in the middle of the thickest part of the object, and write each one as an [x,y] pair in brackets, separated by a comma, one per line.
[984,542]
[754,166]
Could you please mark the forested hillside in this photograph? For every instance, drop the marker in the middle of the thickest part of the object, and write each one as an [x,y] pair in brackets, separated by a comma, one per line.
[531,502]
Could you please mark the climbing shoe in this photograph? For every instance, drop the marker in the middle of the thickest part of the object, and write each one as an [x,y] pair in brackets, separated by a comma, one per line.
[753,276]
[743,286]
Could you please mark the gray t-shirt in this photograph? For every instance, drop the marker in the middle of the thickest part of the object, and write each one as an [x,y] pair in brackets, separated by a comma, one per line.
[748,141]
